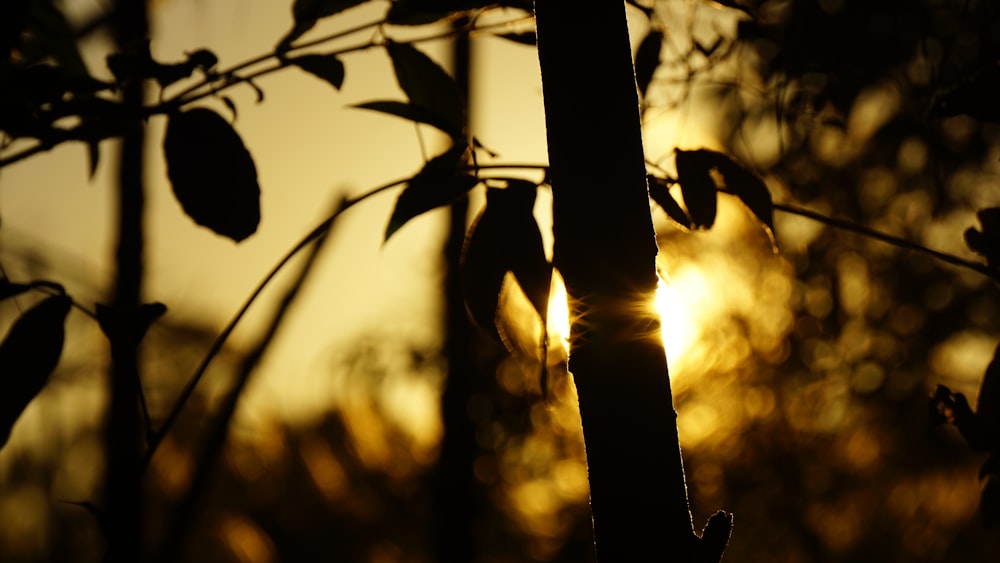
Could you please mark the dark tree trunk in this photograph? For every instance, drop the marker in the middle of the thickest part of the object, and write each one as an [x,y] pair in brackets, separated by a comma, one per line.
[605,249]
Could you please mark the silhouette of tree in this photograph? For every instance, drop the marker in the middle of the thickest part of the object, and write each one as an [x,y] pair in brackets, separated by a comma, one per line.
[872,120]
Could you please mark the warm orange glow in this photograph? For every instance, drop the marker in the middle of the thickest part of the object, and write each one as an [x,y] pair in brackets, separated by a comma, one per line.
[558,322]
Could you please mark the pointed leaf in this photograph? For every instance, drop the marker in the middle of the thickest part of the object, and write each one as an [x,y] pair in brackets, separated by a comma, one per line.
[526,252]
[482,273]
[752,192]
[647,59]
[694,174]
[307,12]
[505,238]
[324,67]
[212,173]
[407,111]
[439,183]
[428,86]
[28,355]
[659,191]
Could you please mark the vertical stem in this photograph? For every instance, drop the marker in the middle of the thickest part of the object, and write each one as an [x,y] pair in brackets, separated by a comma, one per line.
[122,487]
[605,249]
[457,498]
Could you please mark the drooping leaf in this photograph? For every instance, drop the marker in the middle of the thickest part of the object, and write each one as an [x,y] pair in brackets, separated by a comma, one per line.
[482,273]
[694,174]
[212,173]
[751,190]
[527,252]
[307,12]
[647,59]
[659,191]
[439,183]
[505,238]
[325,67]
[428,86]
[407,111]
[986,243]
[28,355]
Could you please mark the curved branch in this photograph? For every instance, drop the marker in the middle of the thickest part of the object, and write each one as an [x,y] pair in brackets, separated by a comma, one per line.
[320,230]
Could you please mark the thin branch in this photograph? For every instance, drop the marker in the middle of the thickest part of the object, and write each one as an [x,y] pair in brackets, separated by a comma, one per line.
[228,80]
[887,238]
[186,512]
[320,230]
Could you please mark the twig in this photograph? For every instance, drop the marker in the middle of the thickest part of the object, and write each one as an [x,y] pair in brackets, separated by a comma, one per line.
[185,514]
[887,238]
[320,230]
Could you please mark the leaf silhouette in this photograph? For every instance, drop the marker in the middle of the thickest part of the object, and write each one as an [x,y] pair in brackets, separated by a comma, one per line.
[325,67]
[505,238]
[438,183]
[659,191]
[307,12]
[212,173]
[28,355]
[694,174]
[752,192]
[428,86]
[647,58]
[407,111]
[986,243]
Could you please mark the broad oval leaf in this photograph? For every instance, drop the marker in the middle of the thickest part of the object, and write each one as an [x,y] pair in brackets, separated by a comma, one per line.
[28,355]
[407,111]
[437,184]
[694,174]
[325,67]
[647,59]
[212,173]
[428,86]
[505,238]
[307,12]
